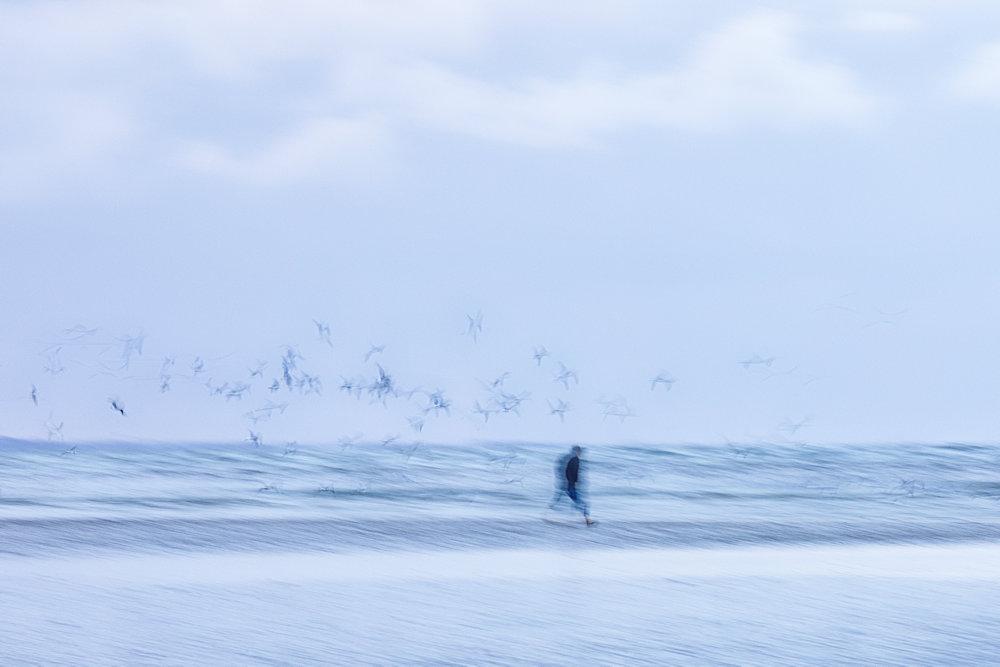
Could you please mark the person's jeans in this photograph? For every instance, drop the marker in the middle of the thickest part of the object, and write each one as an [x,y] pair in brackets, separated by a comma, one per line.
[574,495]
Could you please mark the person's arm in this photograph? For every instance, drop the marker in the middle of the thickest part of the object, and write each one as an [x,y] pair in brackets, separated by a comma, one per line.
[573,470]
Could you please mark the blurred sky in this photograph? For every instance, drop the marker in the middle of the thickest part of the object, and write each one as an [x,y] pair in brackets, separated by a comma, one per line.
[637,186]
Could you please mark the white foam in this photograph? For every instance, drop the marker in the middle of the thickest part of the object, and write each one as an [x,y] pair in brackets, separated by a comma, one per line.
[935,563]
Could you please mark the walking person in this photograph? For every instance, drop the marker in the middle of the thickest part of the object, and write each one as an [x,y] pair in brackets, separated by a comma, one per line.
[569,482]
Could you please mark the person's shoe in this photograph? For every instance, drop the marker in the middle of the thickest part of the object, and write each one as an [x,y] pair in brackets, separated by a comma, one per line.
[590,522]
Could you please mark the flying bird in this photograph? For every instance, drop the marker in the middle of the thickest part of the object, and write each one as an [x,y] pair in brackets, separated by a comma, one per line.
[506,459]
[348,440]
[484,412]
[408,452]
[323,329]
[53,365]
[508,402]
[373,350]
[236,391]
[793,427]
[383,386]
[887,317]
[289,366]
[496,383]
[55,430]
[539,354]
[131,345]
[565,375]
[352,386]
[310,384]
[78,331]
[616,407]
[474,325]
[560,409]
[789,371]
[664,378]
[757,360]
[266,412]
[436,402]
[165,377]
[117,405]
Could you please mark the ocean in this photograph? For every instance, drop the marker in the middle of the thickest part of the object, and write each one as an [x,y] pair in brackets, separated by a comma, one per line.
[423,554]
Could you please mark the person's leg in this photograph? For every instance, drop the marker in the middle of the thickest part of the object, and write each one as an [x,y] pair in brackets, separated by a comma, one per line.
[557,497]
[574,495]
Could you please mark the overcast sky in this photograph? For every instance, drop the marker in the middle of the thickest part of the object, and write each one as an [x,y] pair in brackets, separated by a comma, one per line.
[639,187]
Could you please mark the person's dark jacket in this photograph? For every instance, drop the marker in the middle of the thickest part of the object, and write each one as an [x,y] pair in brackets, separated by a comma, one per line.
[572,471]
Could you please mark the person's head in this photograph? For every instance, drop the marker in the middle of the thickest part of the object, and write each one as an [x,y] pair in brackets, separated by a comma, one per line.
[577,450]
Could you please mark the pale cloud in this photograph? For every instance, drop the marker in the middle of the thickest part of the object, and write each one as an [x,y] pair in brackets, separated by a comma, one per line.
[316,150]
[80,77]
[979,77]
[50,138]
[881,21]
[368,75]
[750,72]
[234,39]
[753,70]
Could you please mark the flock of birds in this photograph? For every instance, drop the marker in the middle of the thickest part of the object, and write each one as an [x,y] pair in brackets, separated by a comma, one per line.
[287,376]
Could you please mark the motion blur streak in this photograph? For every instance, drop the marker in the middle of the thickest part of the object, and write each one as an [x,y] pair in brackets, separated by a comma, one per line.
[403,554]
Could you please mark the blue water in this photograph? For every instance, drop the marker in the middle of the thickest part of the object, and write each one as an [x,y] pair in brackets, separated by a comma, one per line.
[119,498]
[115,507]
